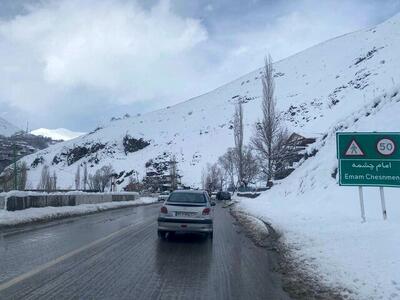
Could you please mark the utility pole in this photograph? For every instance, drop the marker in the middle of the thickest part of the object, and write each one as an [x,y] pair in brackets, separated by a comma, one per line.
[15,166]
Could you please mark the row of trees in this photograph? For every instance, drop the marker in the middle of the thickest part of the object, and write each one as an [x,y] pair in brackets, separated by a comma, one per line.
[8,179]
[223,173]
[47,181]
[99,181]
[267,152]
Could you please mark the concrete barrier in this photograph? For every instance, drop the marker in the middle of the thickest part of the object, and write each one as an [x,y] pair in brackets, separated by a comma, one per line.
[93,198]
[21,201]
[125,197]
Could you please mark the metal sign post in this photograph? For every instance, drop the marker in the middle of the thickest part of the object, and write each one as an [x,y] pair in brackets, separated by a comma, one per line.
[383,202]
[360,193]
[369,159]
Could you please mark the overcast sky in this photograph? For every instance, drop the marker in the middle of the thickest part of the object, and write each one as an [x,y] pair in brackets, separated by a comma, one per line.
[75,64]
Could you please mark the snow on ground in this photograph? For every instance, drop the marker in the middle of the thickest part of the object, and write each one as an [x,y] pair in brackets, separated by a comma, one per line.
[57,134]
[9,218]
[321,221]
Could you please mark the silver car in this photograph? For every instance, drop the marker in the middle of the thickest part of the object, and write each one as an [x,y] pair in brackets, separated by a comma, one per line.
[186,211]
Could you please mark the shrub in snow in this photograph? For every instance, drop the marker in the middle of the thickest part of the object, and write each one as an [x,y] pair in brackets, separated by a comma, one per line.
[132,145]
[37,161]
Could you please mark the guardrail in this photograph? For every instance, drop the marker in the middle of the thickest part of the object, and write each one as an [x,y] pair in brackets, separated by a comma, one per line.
[2,202]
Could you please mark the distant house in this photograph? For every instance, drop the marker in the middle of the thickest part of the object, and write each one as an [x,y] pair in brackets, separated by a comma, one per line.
[7,153]
[24,144]
[296,144]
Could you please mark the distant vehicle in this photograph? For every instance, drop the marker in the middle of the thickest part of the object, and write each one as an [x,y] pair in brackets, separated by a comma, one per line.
[186,211]
[163,196]
[214,195]
[223,195]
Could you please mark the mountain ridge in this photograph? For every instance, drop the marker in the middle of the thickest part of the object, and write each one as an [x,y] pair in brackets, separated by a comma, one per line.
[315,89]
[7,129]
[57,134]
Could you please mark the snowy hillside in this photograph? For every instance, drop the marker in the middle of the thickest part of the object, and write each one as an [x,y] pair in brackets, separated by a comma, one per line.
[321,221]
[316,89]
[57,134]
[7,129]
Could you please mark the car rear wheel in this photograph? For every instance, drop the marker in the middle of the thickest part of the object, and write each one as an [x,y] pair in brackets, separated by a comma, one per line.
[162,234]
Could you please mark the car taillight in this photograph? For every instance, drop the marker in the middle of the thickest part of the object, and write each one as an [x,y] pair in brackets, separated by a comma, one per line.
[164,210]
[206,211]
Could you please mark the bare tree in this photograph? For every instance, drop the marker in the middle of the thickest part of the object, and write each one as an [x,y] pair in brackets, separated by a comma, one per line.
[85,176]
[22,175]
[173,173]
[212,177]
[250,166]
[238,135]
[101,179]
[268,131]
[47,182]
[44,178]
[78,178]
[227,164]
[54,181]
[92,183]
[7,177]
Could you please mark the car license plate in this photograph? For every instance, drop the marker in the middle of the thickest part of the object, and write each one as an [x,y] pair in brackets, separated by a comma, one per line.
[185,214]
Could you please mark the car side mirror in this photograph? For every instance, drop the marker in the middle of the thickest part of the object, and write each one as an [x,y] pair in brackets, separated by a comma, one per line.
[213,203]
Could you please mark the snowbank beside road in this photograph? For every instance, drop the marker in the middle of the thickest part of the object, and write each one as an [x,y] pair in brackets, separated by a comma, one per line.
[325,233]
[30,215]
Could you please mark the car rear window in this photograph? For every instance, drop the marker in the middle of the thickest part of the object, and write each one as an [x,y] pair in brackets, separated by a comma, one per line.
[187,198]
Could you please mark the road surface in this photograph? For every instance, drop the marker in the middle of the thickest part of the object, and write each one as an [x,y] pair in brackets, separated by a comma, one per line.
[117,255]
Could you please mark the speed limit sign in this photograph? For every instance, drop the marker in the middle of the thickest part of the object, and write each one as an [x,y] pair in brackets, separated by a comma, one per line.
[385,146]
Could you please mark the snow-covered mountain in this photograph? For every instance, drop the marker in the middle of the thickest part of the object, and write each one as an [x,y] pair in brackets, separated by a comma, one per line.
[7,129]
[346,78]
[57,134]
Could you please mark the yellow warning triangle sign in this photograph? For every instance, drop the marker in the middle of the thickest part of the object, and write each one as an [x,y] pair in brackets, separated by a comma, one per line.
[354,149]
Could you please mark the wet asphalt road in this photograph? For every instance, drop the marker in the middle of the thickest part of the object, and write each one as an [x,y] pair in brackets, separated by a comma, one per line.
[117,255]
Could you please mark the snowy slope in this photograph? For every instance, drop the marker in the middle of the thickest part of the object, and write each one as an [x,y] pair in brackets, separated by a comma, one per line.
[321,221]
[7,129]
[316,89]
[57,134]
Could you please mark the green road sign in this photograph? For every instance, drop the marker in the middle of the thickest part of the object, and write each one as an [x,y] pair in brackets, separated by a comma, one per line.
[368,158]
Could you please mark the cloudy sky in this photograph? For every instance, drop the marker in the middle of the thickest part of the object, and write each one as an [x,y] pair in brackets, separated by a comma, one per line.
[77,63]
